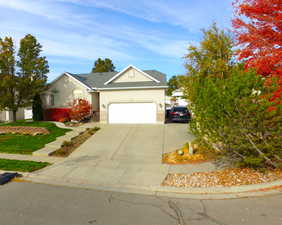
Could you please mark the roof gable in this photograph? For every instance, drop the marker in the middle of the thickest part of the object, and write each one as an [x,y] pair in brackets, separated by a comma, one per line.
[130,67]
[73,77]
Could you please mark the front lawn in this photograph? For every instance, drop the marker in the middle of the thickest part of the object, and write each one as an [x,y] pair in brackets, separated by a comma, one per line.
[26,144]
[21,165]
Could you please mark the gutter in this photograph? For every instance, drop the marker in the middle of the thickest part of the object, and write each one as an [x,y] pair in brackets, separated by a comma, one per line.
[127,88]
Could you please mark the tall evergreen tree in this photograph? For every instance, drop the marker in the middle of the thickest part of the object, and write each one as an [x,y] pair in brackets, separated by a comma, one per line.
[37,110]
[101,65]
[19,86]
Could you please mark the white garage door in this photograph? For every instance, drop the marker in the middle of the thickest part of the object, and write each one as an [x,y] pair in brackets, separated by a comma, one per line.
[132,113]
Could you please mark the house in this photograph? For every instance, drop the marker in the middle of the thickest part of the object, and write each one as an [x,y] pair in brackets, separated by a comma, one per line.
[176,99]
[22,113]
[129,96]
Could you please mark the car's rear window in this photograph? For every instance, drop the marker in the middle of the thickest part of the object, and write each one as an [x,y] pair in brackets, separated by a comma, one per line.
[180,109]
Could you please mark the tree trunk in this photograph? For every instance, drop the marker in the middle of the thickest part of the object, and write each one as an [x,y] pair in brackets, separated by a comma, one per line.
[14,115]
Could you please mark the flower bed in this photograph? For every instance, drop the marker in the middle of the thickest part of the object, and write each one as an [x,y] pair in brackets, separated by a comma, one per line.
[69,146]
[23,130]
[222,178]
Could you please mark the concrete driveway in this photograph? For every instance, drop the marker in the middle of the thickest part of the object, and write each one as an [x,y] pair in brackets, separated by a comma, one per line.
[121,155]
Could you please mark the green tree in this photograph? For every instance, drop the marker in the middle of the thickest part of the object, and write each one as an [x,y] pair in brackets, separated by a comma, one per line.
[174,83]
[231,107]
[37,110]
[8,78]
[101,65]
[24,77]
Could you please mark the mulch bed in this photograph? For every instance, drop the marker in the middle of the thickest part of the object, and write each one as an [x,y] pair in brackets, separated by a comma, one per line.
[173,158]
[23,130]
[69,146]
[222,178]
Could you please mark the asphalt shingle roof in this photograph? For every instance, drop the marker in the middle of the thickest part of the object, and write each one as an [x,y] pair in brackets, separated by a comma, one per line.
[97,80]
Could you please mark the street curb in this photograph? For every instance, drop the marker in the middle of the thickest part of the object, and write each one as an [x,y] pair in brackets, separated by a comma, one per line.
[258,190]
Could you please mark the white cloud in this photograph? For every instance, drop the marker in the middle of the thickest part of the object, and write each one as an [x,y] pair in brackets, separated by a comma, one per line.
[189,14]
[100,40]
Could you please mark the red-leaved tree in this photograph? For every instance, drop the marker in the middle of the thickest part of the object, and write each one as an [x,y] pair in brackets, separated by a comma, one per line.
[258,30]
[79,109]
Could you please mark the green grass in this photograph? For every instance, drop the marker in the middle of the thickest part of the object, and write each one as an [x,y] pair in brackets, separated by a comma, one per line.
[21,165]
[26,144]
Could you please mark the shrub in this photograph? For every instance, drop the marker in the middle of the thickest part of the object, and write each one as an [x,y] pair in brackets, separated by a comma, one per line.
[233,110]
[63,120]
[80,109]
[67,143]
[232,115]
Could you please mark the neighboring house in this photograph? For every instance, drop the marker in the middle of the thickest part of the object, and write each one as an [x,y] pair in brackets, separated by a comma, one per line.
[129,96]
[176,99]
[22,113]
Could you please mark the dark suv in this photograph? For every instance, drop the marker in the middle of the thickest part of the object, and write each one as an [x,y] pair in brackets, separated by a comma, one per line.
[179,114]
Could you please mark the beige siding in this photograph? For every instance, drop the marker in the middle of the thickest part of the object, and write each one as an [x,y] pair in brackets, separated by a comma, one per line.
[64,90]
[95,101]
[2,116]
[8,115]
[20,114]
[96,106]
[131,75]
[156,96]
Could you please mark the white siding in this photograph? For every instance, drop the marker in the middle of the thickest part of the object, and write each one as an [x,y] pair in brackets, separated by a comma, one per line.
[131,75]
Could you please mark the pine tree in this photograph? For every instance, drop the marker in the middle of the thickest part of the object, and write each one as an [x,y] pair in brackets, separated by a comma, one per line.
[37,110]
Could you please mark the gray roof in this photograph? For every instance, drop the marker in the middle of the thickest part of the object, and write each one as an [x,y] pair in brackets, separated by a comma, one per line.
[97,80]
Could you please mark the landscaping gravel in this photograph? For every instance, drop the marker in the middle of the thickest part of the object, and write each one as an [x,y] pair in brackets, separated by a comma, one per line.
[222,178]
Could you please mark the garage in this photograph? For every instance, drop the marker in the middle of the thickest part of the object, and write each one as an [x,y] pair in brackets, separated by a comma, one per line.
[132,113]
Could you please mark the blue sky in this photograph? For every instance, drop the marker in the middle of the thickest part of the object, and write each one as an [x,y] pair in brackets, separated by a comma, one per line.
[150,34]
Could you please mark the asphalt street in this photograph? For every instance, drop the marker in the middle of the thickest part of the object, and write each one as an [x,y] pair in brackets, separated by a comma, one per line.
[38,204]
